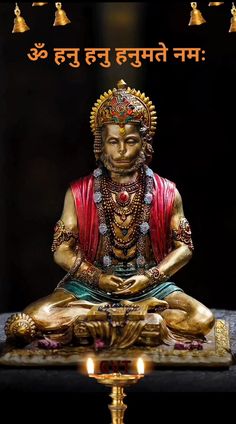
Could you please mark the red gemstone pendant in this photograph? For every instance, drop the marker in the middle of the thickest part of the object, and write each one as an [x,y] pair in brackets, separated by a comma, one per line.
[123,198]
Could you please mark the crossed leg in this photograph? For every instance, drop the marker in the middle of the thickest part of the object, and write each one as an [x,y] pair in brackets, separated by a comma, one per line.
[187,315]
[57,311]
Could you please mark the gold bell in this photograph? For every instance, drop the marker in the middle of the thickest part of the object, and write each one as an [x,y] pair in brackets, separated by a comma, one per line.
[233,19]
[196,17]
[39,4]
[19,22]
[215,3]
[60,16]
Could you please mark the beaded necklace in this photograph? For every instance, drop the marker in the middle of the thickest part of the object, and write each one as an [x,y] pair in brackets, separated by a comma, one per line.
[129,208]
[140,208]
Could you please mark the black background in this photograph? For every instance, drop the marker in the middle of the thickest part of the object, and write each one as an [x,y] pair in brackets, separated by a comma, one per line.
[46,141]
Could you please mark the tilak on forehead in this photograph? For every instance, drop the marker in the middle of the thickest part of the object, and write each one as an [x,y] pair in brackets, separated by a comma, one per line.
[122,106]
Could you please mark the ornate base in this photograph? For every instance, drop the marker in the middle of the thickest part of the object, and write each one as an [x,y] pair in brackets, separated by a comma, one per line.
[215,353]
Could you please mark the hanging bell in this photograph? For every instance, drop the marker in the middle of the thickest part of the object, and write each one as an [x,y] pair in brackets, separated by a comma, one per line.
[39,4]
[233,19]
[215,3]
[19,22]
[196,17]
[60,16]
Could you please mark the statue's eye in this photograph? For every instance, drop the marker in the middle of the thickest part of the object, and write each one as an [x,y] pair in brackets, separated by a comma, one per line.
[131,141]
[113,141]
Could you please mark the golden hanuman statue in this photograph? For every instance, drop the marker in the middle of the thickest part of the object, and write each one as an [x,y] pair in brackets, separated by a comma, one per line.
[121,236]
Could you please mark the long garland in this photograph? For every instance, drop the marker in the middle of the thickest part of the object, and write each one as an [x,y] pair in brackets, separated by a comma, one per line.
[143,229]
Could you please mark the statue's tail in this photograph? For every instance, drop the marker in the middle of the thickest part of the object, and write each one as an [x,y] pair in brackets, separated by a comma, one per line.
[20,328]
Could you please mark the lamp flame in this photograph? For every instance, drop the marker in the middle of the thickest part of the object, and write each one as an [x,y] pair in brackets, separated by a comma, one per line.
[140,366]
[90,366]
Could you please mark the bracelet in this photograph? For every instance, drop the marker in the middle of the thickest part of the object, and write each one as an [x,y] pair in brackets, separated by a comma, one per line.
[90,275]
[70,274]
[156,276]
[78,261]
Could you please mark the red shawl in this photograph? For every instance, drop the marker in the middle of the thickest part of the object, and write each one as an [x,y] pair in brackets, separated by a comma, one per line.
[161,211]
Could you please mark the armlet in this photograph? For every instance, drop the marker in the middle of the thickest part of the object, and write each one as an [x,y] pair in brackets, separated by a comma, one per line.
[183,233]
[62,234]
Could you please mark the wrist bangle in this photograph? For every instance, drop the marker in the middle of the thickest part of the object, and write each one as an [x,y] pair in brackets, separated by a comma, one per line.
[78,261]
[90,275]
[71,273]
[156,276]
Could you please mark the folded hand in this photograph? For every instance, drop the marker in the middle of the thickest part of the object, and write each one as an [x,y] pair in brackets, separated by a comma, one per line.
[110,283]
[133,285]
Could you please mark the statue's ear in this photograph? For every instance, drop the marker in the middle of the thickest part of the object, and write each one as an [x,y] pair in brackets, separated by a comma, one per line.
[144,144]
[147,149]
[97,157]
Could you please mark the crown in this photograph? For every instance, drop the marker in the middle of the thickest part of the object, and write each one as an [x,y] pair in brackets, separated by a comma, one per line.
[122,105]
